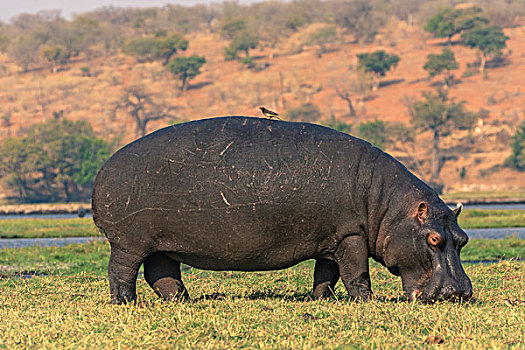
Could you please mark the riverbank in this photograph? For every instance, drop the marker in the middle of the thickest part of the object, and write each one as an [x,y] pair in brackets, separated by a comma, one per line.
[485,197]
[45,208]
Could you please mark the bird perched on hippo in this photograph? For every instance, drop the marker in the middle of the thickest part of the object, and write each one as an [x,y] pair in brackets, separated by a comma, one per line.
[252,194]
[269,114]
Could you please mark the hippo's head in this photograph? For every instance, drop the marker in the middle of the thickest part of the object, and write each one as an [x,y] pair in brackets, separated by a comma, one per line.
[423,247]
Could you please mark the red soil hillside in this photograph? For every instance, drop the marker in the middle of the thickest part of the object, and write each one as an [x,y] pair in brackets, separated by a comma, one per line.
[293,76]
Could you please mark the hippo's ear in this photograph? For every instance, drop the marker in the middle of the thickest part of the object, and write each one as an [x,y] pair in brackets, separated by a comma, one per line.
[422,212]
[457,211]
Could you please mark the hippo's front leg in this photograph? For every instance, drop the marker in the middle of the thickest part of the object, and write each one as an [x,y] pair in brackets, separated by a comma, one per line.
[352,258]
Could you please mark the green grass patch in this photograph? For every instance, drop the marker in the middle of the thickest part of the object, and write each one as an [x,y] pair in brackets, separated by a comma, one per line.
[48,228]
[84,227]
[491,218]
[494,249]
[93,257]
[258,310]
[90,258]
[481,195]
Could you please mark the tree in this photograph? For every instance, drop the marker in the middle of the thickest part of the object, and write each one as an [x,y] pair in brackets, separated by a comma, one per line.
[207,13]
[156,47]
[346,95]
[322,37]
[70,156]
[448,22]
[439,115]
[57,55]
[338,125]
[405,9]
[17,154]
[111,39]
[169,46]
[352,88]
[359,18]
[230,26]
[384,134]
[374,132]
[243,41]
[300,13]
[186,68]
[442,64]
[26,21]
[76,36]
[56,160]
[517,157]
[489,40]
[25,51]
[142,108]
[378,63]
[307,112]
[4,43]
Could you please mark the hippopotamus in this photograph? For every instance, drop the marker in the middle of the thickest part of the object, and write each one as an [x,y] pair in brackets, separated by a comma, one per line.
[250,194]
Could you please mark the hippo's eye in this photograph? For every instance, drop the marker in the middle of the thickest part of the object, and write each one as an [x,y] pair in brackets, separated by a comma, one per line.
[434,239]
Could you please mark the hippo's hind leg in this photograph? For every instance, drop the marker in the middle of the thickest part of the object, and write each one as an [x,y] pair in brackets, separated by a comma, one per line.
[123,269]
[163,275]
[326,275]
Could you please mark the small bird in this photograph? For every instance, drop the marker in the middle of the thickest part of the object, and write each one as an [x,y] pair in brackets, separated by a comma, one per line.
[269,114]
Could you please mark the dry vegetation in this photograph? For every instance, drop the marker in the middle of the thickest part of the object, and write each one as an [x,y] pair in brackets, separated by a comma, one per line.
[285,76]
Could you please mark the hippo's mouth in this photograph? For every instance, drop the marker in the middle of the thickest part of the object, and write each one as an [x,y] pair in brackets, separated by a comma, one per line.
[429,292]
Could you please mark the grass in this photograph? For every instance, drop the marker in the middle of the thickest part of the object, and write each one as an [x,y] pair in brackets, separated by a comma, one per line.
[491,218]
[84,227]
[494,249]
[481,195]
[92,257]
[70,308]
[46,228]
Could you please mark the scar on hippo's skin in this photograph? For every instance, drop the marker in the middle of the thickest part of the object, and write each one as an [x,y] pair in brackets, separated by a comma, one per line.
[224,150]
[224,199]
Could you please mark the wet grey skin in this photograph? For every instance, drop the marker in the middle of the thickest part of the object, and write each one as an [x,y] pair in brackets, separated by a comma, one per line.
[252,194]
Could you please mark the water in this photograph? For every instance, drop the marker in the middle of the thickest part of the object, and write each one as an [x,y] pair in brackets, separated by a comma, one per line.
[496,233]
[43,242]
[43,216]
[489,233]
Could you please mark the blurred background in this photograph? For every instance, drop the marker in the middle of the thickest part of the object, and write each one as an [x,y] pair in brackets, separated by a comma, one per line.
[438,84]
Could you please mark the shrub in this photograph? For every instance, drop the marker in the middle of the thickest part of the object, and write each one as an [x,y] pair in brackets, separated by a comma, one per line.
[517,157]
[307,112]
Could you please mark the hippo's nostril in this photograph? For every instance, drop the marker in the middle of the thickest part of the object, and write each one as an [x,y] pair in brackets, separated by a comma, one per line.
[449,293]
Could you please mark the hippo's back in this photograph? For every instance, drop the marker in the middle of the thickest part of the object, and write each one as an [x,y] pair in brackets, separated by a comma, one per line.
[232,183]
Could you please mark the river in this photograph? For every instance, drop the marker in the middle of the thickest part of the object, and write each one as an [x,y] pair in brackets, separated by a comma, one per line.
[488,233]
